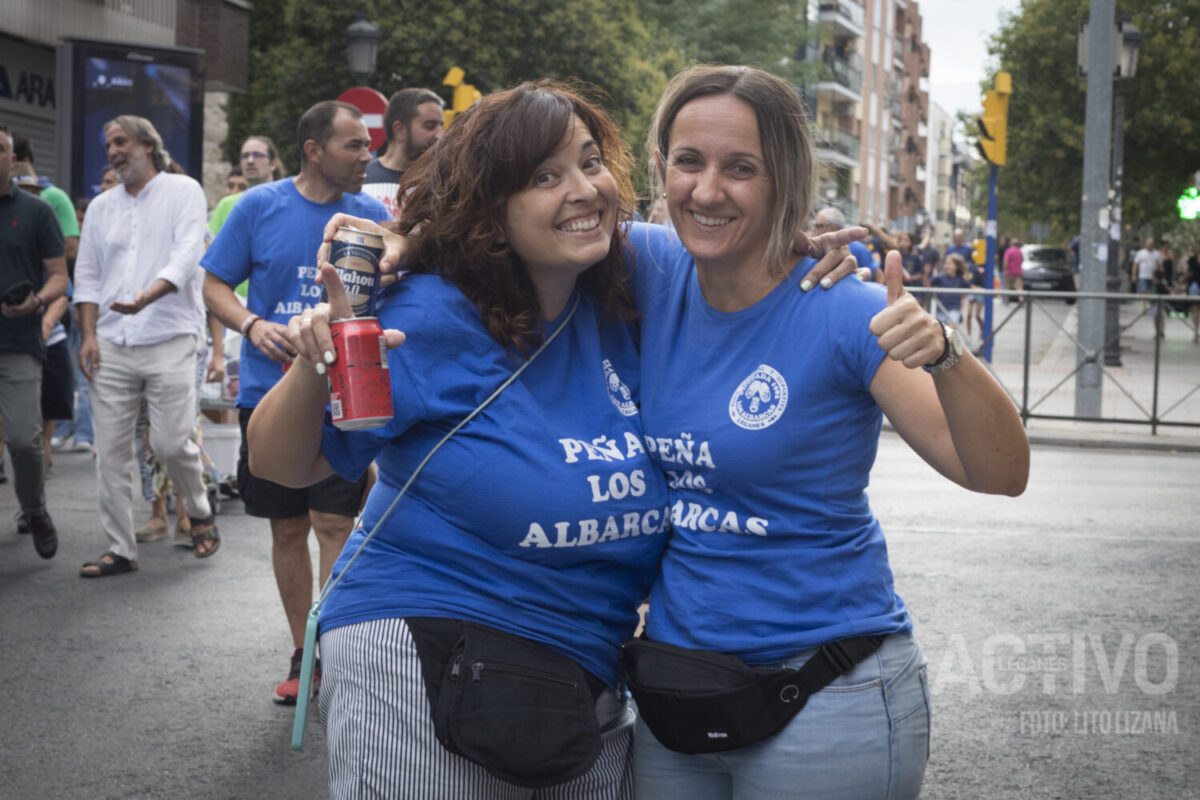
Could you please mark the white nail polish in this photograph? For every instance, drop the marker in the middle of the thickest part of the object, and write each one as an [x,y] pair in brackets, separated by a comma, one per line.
[319,367]
[805,285]
[329,356]
[826,283]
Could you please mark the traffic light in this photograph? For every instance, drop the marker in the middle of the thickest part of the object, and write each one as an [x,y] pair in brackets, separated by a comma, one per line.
[993,124]
[979,251]
[465,95]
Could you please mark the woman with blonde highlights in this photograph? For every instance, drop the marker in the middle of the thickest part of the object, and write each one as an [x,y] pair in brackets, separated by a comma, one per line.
[765,403]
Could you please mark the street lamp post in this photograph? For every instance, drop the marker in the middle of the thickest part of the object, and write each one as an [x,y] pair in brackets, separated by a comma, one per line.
[1131,42]
[1095,226]
[362,44]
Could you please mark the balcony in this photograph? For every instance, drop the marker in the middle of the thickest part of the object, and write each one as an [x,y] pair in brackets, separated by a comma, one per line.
[837,147]
[845,16]
[894,172]
[898,53]
[847,75]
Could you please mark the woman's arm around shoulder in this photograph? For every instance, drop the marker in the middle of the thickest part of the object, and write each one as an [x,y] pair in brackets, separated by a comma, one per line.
[960,420]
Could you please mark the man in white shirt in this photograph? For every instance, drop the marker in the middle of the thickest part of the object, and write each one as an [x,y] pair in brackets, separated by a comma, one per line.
[1145,262]
[137,288]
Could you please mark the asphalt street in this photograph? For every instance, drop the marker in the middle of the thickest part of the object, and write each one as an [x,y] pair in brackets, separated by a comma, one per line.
[1060,629]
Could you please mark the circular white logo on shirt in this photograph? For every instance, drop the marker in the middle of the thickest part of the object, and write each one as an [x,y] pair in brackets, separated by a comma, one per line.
[618,392]
[760,399]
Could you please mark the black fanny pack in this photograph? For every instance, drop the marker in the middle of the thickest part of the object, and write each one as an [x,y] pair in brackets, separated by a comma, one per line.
[699,701]
[520,710]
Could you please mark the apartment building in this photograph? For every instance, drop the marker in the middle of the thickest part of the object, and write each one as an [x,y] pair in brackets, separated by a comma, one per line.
[30,31]
[870,108]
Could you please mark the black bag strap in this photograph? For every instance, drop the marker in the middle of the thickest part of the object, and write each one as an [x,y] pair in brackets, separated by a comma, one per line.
[789,689]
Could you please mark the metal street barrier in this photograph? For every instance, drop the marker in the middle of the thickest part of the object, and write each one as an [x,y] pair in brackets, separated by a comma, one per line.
[1154,384]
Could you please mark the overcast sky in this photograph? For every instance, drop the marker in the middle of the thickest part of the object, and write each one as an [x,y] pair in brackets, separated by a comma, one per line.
[957,32]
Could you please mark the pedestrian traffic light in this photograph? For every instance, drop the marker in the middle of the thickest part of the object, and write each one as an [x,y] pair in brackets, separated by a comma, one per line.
[465,95]
[979,251]
[993,124]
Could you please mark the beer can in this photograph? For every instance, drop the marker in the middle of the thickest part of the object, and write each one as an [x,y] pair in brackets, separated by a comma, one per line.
[355,255]
[360,387]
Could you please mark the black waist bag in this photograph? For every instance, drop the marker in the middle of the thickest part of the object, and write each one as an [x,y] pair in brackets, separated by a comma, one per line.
[699,701]
[523,712]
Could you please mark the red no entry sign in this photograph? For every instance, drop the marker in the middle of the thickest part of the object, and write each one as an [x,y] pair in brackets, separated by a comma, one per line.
[372,104]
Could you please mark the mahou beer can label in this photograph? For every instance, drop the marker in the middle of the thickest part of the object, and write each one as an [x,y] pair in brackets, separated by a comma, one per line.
[360,387]
[355,255]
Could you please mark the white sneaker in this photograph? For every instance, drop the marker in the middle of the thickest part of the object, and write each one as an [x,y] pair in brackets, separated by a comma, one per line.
[83,447]
[57,442]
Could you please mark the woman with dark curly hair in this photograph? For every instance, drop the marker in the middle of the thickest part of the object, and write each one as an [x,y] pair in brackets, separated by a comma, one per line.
[543,517]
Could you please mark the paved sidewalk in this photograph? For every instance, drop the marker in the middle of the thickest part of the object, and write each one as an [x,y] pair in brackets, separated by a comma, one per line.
[1127,391]
[155,684]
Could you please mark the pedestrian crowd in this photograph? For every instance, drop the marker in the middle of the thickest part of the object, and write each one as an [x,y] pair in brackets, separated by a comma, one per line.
[624,413]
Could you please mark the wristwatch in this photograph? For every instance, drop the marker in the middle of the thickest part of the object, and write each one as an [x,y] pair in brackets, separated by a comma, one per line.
[41,304]
[951,353]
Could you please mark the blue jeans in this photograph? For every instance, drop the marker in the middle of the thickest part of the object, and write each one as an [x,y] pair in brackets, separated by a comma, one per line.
[81,426]
[865,736]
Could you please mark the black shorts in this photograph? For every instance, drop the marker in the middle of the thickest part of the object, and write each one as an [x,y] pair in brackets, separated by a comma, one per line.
[58,383]
[270,500]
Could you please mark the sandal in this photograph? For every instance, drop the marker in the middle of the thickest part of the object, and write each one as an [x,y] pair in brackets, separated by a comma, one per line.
[154,529]
[116,565]
[210,535]
[183,533]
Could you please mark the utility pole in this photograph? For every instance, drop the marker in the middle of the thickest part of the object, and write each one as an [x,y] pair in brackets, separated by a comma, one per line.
[1094,221]
[993,144]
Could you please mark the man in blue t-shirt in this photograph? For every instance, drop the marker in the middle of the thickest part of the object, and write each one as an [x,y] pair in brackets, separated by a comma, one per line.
[961,248]
[271,238]
[830,219]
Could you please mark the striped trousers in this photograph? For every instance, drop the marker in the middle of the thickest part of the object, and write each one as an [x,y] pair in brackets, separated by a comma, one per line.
[380,735]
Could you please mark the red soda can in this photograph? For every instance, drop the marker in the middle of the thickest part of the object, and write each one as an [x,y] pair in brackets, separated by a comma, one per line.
[360,386]
[355,255]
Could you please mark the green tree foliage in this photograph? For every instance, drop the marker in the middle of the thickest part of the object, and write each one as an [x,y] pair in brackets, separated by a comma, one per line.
[1042,180]
[761,33]
[298,55]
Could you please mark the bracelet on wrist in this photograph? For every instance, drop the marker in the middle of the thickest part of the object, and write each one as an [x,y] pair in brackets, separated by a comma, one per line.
[248,323]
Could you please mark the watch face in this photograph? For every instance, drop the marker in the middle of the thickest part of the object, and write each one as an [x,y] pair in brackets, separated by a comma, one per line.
[956,342]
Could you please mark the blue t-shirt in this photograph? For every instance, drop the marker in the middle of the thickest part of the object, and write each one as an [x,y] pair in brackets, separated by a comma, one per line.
[950,302]
[271,238]
[766,428]
[863,256]
[965,250]
[543,516]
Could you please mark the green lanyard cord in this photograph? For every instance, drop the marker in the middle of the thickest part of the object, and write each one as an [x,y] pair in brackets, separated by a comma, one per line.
[310,627]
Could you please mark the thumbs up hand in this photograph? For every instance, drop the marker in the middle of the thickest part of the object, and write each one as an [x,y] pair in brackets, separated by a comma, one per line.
[906,331]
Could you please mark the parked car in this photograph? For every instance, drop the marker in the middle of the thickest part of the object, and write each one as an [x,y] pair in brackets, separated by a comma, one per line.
[1048,269]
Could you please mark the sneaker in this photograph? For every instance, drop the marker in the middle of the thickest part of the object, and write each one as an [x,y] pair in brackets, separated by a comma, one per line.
[22,522]
[45,535]
[286,692]
[83,447]
[57,442]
